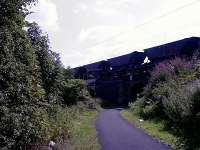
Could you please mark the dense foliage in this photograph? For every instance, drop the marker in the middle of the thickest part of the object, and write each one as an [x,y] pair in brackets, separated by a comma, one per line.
[20,91]
[35,89]
[173,94]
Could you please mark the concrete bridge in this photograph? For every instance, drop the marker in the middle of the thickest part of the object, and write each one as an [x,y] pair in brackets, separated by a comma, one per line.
[118,80]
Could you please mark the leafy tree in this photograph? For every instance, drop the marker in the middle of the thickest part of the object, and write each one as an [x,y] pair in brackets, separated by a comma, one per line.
[58,82]
[21,92]
[68,73]
[51,67]
[33,81]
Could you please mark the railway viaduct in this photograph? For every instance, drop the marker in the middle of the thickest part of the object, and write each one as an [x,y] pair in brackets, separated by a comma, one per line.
[119,80]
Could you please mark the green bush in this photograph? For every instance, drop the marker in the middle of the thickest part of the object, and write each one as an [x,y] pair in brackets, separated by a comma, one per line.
[182,107]
[151,110]
[145,109]
[61,122]
[19,126]
[137,106]
[74,90]
[173,94]
[166,77]
[56,124]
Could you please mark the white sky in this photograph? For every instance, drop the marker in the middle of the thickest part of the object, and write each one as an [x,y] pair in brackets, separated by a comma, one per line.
[86,31]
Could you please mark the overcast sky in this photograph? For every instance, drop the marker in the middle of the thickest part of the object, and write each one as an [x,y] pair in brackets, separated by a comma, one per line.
[86,31]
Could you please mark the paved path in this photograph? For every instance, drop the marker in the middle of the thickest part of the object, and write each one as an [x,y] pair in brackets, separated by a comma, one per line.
[115,133]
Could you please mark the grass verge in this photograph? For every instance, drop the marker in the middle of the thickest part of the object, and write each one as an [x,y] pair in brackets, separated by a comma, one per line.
[84,133]
[154,128]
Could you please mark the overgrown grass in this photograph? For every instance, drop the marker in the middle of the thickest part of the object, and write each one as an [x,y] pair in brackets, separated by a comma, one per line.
[71,128]
[84,133]
[154,128]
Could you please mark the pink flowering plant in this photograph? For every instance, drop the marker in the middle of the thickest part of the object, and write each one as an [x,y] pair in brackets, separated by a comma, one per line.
[173,94]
